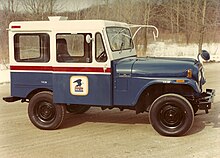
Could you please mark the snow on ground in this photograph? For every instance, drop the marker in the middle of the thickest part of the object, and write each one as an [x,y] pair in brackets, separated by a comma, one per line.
[155,49]
[4,74]
[183,50]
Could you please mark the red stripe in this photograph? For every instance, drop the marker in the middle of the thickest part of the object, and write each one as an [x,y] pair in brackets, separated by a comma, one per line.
[60,69]
[15,27]
[34,68]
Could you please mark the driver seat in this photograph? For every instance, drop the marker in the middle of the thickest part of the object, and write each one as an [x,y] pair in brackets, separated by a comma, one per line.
[62,50]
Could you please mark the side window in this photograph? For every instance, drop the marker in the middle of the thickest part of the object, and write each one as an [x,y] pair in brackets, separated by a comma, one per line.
[100,52]
[32,47]
[73,48]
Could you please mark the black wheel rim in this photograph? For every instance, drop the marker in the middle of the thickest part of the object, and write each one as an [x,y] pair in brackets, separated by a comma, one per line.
[45,112]
[171,115]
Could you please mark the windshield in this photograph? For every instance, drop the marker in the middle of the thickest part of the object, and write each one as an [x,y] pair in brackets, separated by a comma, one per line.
[119,38]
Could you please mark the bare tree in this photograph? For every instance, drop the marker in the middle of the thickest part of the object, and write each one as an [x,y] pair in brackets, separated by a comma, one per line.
[9,10]
[10,6]
[148,11]
[216,22]
[41,8]
[202,25]
[54,6]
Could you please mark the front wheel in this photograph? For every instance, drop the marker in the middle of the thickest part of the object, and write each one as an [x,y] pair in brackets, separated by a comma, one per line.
[171,115]
[43,113]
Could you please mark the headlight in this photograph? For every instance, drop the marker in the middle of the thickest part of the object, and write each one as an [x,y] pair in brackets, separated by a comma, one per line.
[189,73]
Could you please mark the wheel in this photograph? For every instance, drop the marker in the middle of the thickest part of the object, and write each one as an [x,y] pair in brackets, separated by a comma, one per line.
[77,109]
[171,115]
[43,113]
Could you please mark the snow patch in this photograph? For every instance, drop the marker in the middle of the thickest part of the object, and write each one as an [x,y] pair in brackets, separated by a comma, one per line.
[183,50]
[4,76]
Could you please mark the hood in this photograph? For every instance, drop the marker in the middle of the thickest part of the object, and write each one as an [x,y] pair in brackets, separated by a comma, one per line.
[156,67]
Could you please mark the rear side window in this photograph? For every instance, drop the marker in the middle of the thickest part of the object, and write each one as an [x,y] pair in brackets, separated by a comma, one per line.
[73,48]
[32,47]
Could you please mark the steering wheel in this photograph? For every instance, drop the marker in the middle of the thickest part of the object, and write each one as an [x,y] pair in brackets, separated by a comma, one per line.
[102,57]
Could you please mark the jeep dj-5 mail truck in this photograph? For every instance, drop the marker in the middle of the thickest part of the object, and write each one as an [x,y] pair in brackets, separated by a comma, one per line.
[70,65]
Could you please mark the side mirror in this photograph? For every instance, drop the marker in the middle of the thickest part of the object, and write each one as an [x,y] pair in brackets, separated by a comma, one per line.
[88,39]
[205,55]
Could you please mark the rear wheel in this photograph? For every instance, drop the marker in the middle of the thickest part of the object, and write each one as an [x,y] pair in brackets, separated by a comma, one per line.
[43,113]
[171,115]
[77,109]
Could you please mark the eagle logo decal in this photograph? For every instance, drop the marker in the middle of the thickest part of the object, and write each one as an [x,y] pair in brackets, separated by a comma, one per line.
[79,85]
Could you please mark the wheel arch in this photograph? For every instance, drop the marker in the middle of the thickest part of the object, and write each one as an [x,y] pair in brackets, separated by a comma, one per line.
[35,91]
[150,92]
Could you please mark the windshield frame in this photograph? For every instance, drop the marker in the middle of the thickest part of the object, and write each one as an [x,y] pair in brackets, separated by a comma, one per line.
[118,33]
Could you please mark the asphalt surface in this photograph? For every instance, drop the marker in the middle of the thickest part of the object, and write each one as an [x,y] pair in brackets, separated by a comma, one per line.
[108,134]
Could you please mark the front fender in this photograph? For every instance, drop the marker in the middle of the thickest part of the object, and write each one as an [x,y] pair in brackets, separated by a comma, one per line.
[172,81]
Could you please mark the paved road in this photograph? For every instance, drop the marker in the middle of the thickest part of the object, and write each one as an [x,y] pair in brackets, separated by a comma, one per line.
[108,134]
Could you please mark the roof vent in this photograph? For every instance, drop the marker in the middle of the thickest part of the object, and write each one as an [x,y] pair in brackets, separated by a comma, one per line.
[57,18]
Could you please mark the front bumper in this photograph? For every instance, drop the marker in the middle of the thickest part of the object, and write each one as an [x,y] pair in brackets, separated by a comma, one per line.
[206,99]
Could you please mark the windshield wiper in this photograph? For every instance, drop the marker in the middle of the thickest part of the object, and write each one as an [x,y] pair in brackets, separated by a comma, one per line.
[121,48]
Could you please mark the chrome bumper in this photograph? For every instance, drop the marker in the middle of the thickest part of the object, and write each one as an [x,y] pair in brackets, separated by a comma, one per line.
[206,99]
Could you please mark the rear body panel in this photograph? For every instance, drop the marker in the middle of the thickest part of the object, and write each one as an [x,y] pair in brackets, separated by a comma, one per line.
[98,85]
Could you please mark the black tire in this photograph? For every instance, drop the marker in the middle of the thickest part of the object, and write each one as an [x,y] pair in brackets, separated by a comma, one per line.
[43,113]
[171,115]
[77,109]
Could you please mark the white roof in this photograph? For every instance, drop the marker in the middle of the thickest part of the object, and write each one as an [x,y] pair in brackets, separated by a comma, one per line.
[62,24]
